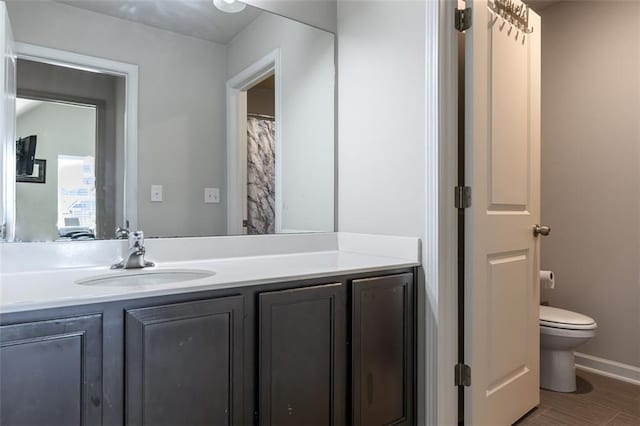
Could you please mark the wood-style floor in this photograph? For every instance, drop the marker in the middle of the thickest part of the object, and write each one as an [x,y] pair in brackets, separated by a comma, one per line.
[599,400]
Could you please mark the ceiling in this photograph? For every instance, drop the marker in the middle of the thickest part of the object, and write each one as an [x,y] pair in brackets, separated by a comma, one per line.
[539,5]
[194,18]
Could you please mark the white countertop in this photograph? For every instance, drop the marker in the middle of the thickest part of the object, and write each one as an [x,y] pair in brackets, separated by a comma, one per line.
[40,289]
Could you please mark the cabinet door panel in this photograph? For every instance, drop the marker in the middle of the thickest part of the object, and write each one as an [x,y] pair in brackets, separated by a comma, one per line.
[51,372]
[383,350]
[184,363]
[302,356]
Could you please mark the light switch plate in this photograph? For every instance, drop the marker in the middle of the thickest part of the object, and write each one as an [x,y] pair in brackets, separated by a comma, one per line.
[156,193]
[212,195]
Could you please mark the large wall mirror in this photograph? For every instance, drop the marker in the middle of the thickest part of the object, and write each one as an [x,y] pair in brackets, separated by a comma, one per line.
[179,117]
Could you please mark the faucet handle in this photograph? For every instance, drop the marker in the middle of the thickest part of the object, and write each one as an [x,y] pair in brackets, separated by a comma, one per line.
[136,238]
[122,233]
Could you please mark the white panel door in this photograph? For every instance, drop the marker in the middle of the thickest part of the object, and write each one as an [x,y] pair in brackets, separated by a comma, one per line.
[7,125]
[502,254]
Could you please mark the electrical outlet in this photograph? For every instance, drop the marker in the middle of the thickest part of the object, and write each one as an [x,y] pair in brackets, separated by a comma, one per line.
[156,193]
[212,195]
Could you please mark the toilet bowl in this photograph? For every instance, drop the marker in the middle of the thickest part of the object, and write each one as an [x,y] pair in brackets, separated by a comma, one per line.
[561,331]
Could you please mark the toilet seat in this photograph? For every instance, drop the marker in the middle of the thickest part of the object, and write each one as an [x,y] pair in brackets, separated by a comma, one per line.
[565,320]
[561,332]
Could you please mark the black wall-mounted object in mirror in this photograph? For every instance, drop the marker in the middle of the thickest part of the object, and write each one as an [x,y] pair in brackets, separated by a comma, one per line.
[38,173]
[25,155]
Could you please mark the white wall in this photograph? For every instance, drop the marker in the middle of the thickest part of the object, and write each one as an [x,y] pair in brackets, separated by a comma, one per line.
[591,168]
[381,144]
[7,124]
[381,117]
[179,146]
[319,13]
[36,203]
[307,57]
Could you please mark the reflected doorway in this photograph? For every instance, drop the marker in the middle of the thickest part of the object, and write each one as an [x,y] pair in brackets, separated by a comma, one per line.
[258,85]
[44,76]
[261,160]
[70,151]
[56,198]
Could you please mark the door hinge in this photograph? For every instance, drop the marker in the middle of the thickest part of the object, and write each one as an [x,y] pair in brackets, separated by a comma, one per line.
[462,197]
[3,231]
[463,19]
[462,375]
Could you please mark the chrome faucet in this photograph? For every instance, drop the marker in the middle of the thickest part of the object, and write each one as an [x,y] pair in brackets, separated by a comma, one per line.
[122,233]
[134,258]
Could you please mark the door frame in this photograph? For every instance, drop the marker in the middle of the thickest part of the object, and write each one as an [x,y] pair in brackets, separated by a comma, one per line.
[440,246]
[442,36]
[7,128]
[67,59]
[237,87]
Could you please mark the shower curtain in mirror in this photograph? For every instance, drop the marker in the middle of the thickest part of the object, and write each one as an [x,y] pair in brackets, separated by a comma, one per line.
[260,175]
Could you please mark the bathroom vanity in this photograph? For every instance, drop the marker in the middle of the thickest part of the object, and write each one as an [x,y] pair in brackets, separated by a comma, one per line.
[189,120]
[330,339]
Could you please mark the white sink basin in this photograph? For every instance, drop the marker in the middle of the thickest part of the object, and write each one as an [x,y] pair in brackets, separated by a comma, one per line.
[144,278]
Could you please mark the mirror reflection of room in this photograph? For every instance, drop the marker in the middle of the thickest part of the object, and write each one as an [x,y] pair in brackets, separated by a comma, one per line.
[71,118]
[167,153]
[62,202]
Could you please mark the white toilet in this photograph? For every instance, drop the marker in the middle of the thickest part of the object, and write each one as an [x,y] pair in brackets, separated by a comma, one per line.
[561,331]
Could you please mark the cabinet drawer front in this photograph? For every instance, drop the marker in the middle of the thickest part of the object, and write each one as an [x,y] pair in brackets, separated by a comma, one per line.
[302,351]
[184,363]
[51,372]
[383,350]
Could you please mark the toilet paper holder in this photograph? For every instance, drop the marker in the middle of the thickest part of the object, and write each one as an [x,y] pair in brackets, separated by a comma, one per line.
[547,280]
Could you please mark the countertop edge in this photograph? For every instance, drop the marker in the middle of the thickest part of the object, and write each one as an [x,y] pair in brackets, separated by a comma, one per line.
[388,264]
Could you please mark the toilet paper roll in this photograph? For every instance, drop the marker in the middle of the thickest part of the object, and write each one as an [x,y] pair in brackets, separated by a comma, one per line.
[547,279]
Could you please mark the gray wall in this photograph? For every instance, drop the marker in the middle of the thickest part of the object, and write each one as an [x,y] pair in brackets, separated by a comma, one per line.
[36,203]
[591,168]
[181,118]
[307,57]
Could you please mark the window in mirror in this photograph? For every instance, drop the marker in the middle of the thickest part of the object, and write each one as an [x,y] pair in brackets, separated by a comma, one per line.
[76,196]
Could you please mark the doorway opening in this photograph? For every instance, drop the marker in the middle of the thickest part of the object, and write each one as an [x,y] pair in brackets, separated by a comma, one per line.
[51,79]
[71,112]
[254,149]
[56,197]
[261,159]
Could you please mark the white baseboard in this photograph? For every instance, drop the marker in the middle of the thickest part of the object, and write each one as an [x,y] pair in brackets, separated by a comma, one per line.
[616,370]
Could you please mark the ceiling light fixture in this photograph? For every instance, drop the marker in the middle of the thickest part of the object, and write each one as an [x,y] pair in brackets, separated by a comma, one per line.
[229,6]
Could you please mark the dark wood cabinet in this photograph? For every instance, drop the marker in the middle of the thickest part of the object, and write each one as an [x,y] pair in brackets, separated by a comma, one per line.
[383,351]
[184,363]
[302,356]
[51,372]
[318,352]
